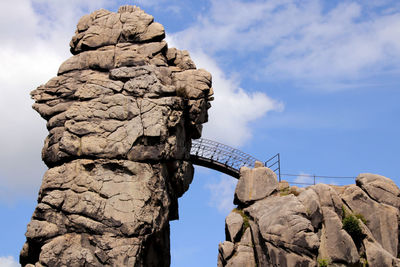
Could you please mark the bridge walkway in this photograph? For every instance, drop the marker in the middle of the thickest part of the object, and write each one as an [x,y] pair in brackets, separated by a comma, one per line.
[226,159]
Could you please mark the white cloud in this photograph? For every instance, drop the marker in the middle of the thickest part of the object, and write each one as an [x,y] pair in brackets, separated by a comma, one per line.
[338,47]
[303,40]
[168,5]
[35,37]
[33,46]
[233,109]
[8,262]
[148,3]
[22,138]
[222,194]
[303,180]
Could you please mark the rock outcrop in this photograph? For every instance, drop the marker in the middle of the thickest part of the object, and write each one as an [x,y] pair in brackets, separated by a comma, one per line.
[121,114]
[321,225]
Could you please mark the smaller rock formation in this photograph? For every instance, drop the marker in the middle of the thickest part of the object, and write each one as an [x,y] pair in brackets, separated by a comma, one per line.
[321,225]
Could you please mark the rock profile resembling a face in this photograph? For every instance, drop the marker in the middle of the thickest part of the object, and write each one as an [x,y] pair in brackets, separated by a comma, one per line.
[121,115]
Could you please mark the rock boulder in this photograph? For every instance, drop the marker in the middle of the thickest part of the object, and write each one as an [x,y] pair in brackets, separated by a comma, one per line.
[255,184]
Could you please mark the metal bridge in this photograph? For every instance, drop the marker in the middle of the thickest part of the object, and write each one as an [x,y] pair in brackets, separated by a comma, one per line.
[223,158]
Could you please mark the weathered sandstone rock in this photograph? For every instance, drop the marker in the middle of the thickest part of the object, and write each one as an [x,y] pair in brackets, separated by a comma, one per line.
[381,219]
[283,221]
[255,184]
[321,225]
[244,255]
[225,251]
[234,224]
[336,244]
[121,115]
[380,189]
[377,256]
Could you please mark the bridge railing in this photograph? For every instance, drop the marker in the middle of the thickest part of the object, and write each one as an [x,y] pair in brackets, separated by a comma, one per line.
[221,153]
[312,179]
[274,164]
[229,160]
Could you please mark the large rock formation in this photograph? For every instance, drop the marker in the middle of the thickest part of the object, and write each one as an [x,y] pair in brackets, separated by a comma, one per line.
[321,225]
[121,115]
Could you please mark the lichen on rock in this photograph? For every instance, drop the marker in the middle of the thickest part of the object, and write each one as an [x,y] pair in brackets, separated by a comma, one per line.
[121,115]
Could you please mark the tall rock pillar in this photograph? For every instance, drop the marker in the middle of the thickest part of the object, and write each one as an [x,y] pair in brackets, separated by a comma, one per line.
[121,114]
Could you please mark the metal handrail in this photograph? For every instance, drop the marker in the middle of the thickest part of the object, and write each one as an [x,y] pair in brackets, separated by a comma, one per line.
[215,155]
[313,179]
[229,160]
[275,160]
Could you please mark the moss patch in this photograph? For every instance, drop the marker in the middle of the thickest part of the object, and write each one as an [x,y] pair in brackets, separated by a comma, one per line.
[245,217]
[323,262]
[288,191]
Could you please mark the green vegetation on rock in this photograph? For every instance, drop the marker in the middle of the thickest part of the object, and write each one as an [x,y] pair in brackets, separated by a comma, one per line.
[288,191]
[323,262]
[351,224]
[246,218]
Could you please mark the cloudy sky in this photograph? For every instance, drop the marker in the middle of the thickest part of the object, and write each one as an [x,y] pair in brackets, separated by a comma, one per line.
[317,81]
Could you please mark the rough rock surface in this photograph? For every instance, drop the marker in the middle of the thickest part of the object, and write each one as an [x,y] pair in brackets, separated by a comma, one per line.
[321,225]
[255,184]
[121,115]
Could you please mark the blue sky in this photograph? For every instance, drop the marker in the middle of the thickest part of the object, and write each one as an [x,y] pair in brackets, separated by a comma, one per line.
[317,81]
